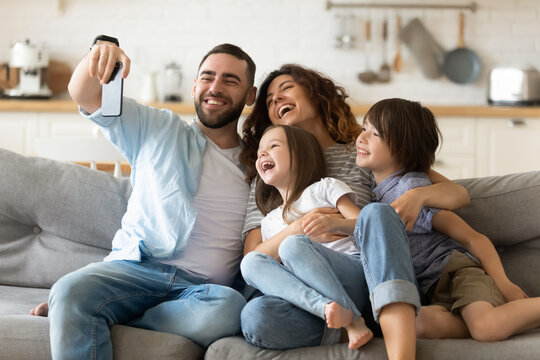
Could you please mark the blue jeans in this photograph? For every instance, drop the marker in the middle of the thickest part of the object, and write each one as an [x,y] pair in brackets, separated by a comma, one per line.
[85,303]
[310,277]
[387,272]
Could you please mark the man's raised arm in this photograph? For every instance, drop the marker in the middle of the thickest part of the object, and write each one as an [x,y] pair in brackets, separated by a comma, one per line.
[93,71]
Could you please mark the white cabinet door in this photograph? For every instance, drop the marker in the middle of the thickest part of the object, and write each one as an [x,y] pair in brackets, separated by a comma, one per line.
[508,146]
[65,124]
[18,131]
[455,158]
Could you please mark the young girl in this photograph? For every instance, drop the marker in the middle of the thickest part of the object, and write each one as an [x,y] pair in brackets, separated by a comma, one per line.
[398,145]
[290,184]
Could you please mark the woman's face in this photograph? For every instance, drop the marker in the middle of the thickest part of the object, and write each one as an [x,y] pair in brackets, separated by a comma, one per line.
[288,104]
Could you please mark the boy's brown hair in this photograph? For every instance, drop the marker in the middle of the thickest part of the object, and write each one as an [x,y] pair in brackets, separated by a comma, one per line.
[307,162]
[409,129]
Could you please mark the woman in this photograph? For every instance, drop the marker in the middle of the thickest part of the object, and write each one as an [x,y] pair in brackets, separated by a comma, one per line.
[304,98]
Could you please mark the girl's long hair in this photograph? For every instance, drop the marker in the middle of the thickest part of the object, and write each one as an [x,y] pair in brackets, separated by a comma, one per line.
[307,163]
[328,99]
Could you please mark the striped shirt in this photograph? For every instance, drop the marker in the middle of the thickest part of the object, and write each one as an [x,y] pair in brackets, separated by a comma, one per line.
[341,164]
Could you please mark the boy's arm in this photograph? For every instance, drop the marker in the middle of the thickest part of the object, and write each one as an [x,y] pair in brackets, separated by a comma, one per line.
[317,224]
[479,246]
[442,194]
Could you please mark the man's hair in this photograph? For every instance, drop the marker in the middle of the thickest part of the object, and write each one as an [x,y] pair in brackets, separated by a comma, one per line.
[409,129]
[238,53]
[307,162]
[327,98]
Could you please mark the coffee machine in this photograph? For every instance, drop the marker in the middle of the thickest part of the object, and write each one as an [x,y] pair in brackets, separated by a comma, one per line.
[29,63]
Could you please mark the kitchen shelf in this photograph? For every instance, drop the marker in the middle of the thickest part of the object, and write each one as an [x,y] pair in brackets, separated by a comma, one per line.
[358,109]
[470,6]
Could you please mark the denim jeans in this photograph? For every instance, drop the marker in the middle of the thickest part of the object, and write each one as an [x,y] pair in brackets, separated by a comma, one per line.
[310,277]
[386,272]
[150,295]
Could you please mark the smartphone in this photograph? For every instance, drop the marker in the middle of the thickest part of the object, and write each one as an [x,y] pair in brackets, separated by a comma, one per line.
[111,93]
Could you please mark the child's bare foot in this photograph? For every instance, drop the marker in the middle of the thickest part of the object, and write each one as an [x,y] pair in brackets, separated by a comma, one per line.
[40,310]
[359,334]
[337,316]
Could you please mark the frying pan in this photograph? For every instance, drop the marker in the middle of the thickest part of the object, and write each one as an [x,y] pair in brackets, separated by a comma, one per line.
[461,65]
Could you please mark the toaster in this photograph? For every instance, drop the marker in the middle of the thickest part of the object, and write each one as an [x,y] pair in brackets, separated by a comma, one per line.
[514,86]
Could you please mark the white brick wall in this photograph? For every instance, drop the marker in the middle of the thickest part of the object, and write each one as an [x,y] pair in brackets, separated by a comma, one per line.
[154,32]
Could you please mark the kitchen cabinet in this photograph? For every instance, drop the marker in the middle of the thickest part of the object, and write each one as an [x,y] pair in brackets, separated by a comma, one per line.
[477,140]
[508,146]
[19,130]
[456,156]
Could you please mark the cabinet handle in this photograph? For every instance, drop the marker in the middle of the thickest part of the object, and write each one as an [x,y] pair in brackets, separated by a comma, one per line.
[516,123]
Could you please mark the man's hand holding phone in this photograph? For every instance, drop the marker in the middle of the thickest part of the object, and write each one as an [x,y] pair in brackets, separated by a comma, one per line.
[110,65]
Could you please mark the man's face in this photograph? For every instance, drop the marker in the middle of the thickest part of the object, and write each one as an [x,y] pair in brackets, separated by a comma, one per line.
[221,90]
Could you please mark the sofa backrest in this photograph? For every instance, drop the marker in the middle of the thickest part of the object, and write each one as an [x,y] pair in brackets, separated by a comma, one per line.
[57,217]
[54,218]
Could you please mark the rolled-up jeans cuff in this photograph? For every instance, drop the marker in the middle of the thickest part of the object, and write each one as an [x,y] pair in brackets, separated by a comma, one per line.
[331,336]
[394,291]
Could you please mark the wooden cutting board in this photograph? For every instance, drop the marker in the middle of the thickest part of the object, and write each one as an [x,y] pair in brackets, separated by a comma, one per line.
[58,76]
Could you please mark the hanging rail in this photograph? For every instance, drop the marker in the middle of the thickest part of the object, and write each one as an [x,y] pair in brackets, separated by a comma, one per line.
[471,6]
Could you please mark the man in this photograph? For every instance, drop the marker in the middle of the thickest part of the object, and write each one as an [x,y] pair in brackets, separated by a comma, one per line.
[179,246]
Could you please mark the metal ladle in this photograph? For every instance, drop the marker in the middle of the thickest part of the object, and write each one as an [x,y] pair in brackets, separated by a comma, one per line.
[384,71]
[367,76]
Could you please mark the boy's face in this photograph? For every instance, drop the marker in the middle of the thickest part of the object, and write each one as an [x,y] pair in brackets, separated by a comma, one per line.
[373,153]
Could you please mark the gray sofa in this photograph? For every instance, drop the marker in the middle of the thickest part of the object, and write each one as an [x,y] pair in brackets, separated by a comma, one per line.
[57,217]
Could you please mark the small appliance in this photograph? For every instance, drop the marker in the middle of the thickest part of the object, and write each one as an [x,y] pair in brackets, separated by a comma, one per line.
[514,86]
[30,63]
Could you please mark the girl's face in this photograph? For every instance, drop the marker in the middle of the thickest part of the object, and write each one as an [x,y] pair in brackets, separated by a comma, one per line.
[273,160]
[373,153]
[288,104]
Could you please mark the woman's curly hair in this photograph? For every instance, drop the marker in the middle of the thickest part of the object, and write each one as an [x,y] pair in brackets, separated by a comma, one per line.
[327,97]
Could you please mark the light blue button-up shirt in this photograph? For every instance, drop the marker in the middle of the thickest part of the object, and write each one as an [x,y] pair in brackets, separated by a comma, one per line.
[165,154]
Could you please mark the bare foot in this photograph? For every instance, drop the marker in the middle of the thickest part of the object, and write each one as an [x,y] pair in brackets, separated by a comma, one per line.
[337,316]
[40,310]
[359,334]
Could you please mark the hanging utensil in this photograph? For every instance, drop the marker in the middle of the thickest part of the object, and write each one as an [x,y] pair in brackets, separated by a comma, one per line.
[398,62]
[367,76]
[384,71]
[461,65]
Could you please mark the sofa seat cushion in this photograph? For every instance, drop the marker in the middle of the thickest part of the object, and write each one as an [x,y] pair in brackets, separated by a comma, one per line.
[27,337]
[522,347]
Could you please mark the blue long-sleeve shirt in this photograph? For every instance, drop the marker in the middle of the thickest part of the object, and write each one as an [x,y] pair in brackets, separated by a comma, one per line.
[165,154]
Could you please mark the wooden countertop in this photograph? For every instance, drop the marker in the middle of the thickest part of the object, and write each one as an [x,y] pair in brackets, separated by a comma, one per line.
[358,109]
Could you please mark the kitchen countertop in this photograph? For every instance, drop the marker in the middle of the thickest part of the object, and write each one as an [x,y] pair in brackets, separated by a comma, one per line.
[358,109]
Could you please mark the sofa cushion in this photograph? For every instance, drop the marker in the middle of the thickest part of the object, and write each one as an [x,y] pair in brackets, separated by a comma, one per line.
[504,208]
[55,217]
[522,347]
[27,337]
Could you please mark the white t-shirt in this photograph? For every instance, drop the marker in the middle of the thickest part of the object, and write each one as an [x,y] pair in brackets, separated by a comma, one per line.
[215,247]
[323,193]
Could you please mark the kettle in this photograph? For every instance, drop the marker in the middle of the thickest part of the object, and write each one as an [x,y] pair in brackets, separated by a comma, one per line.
[172,83]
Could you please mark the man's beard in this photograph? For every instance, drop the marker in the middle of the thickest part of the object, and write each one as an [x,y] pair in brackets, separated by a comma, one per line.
[223,120]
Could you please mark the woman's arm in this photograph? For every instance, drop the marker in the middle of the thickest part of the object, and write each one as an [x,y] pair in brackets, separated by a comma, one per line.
[442,194]
[317,224]
[253,240]
[479,246]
